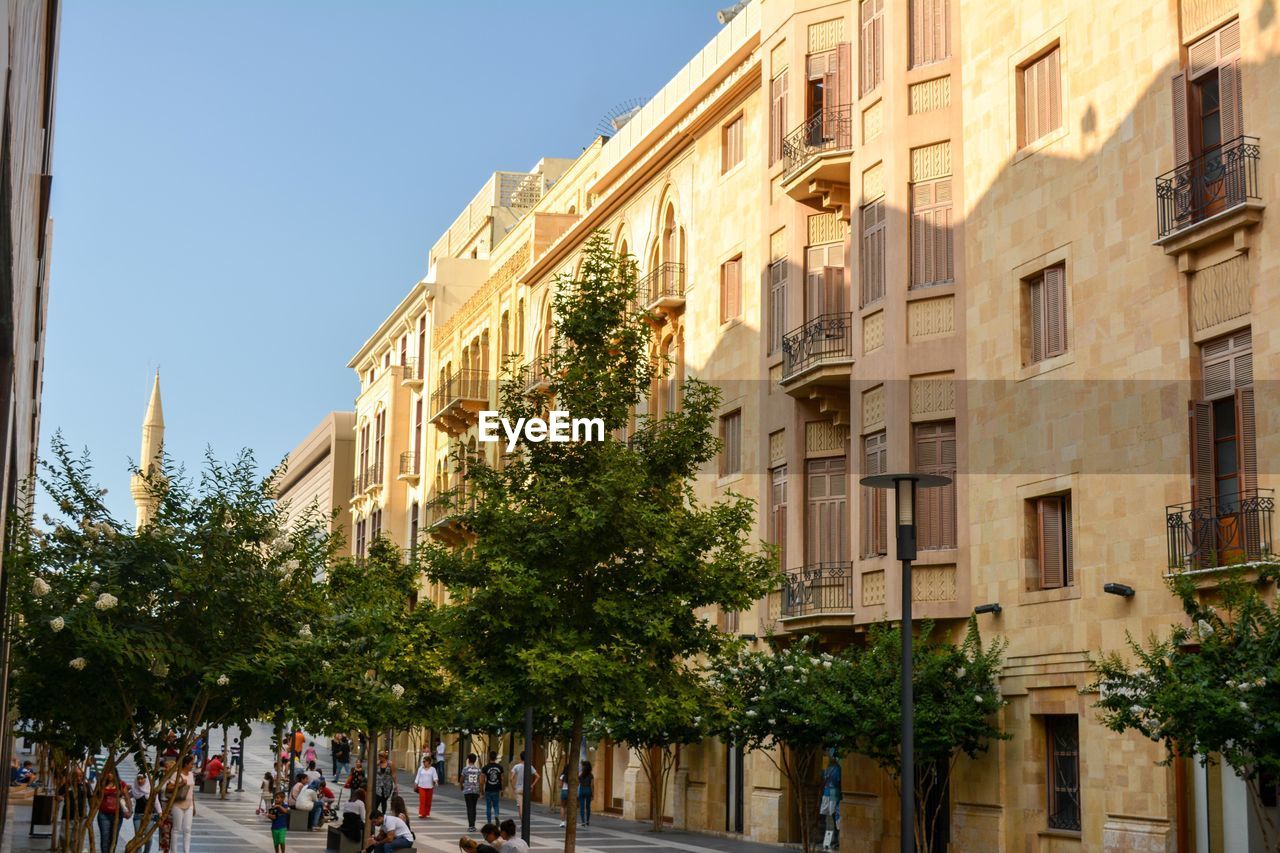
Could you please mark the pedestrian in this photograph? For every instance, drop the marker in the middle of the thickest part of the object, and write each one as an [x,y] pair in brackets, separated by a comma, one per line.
[512,843]
[829,807]
[517,782]
[310,756]
[141,799]
[113,808]
[166,810]
[279,814]
[389,833]
[564,796]
[313,772]
[237,750]
[493,777]
[384,783]
[425,784]
[357,779]
[266,793]
[341,748]
[586,789]
[299,741]
[184,803]
[440,758]
[469,781]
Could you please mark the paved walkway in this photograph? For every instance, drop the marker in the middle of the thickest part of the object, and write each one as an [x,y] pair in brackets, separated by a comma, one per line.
[223,826]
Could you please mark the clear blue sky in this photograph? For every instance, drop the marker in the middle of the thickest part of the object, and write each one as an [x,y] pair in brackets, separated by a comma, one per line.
[243,190]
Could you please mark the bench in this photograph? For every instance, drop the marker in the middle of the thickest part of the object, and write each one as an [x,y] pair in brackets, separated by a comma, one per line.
[209,786]
[339,843]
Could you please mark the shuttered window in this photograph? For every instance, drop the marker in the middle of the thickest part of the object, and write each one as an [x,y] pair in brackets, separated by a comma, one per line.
[871,45]
[778,512]
[731,448]
[1047,313]
[875,519]
[1223,425]
[777,115]
[418,447]
[1207,106]
[827,511]
[777,304]
[1053,541]
[824,280]
[1040,97]
[731,144]
[935,453]
[873,251]
[932,237]
[731,290]
[361,542]
[1062,737]
[930,31]
[379,443]
[1226,364]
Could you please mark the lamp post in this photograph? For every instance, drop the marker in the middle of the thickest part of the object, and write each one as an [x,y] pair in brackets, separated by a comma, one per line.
[904,488]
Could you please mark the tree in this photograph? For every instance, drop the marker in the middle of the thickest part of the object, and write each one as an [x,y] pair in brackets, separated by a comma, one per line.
[956,697]
[791,703]
[126,636]
[1209,690]
[586,562]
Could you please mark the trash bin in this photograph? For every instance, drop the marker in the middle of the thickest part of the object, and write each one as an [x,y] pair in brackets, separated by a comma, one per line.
[42,808]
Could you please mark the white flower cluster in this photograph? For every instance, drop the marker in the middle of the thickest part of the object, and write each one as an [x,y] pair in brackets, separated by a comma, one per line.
[106,601]
[78,664]
[397,691]
[160,670]
[1248,685]
[304,631]
[223,681]
[57,623]
[39,587]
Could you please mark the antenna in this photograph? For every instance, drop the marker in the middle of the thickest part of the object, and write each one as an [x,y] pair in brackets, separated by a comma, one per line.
[619,115]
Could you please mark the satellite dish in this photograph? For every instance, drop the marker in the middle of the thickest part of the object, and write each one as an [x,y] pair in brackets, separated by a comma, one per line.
[619,115]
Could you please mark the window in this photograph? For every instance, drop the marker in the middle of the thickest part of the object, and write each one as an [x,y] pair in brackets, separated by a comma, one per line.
[1046,307]
[1207,105]
[778,512]
[828,98]
[930,31]
[826,511]
[413,531]
[386,359]
[731,450]
[777,317]
[729,621]
[362,471]
[422,346]
[1224,453]
[777,115]
[932,248]
[1062,737]
[375,524]
[731,144]
[380,439]
[873,251]
[361,542]
[875,519]
[1039,97]
[1053,550]
[824,280]
[871,47]
[935,453]
[731,290]
[417,437]
[404,350]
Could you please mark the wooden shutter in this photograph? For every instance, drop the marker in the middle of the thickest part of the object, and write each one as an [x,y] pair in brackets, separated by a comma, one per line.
[1050,531]
[873,230]
[778,512]
[932,237]
[777,116]
[930,31]
[830,93]
[871,45]
[730,290]
[1068,545]
[826,490]
[1246,431]
[1226,364]
[777,303]
[935,453]
[833,290]
[875,535]
[1231,107]
[844,89]
[1181,125]
[1036,292]
[1055,311]
[1200,419]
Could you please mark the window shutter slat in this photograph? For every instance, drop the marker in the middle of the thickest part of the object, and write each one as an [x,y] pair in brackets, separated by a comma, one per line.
[1049,511]
[1246,424]
[1055,325]
[1201,428]
[833,290]
[1053,90]
[1181,129]
[844,86]
[1231,107]
[1068,546]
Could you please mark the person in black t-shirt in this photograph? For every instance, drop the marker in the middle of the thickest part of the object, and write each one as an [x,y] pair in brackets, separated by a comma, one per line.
[492,774]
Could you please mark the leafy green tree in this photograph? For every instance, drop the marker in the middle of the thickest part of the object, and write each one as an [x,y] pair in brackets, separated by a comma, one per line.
[1210,689]
[127,636]
[791,703]
[586,562]
[956,700]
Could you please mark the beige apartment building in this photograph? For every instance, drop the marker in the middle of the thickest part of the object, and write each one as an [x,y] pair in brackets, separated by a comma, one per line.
[1023,245]
[317,473]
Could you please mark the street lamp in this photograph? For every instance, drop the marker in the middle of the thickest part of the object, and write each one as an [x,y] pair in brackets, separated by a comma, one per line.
[904,487]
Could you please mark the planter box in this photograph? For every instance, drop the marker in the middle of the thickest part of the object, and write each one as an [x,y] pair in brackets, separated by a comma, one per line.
[298,820]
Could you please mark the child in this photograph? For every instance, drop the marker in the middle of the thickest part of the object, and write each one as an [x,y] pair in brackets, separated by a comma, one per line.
[265,792]
[279,814]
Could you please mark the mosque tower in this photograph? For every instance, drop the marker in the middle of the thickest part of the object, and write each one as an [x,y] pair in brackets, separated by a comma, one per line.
[149,459]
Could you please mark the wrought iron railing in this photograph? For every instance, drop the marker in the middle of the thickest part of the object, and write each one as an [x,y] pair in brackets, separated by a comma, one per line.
[411,370]
[373,475]
[827,337]
[818,589]
[1208,534]
[468,384]
[665,281]
[829,129]
[1217,180]
[409,463]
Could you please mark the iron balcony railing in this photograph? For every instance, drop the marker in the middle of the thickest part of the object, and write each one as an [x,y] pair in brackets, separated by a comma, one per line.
[411,370]
[1213,533]
[537,377]
[409,463]
[829,129]
[665,281]
[373,475]
[1217,180]
[468,384]
[827,337]
[818,589]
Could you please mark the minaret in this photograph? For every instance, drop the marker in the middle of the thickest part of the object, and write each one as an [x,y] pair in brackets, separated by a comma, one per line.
[149,459]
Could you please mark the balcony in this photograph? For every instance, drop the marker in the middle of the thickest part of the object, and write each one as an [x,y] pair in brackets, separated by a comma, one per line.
[442,520]
[458,400]
[819,353]
[817,595]
[662,290]
[1213,534]
[1220,186]
[367,479]
[410,468]
[537,378]
[411,373]
[816,157]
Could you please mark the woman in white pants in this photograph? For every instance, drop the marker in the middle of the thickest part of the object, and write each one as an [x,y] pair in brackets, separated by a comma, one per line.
[184,806]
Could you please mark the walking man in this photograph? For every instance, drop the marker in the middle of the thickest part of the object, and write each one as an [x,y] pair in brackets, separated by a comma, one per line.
[517,782]
[469,780]
[492,773]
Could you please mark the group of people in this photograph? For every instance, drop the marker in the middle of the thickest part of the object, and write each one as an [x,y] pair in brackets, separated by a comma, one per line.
[168,819]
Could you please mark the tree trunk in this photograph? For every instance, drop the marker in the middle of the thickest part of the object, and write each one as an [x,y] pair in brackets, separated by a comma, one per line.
[797,766]
[571,816]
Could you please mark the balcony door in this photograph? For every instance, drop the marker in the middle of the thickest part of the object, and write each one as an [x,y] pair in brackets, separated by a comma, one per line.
[827,516]
[824,281]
